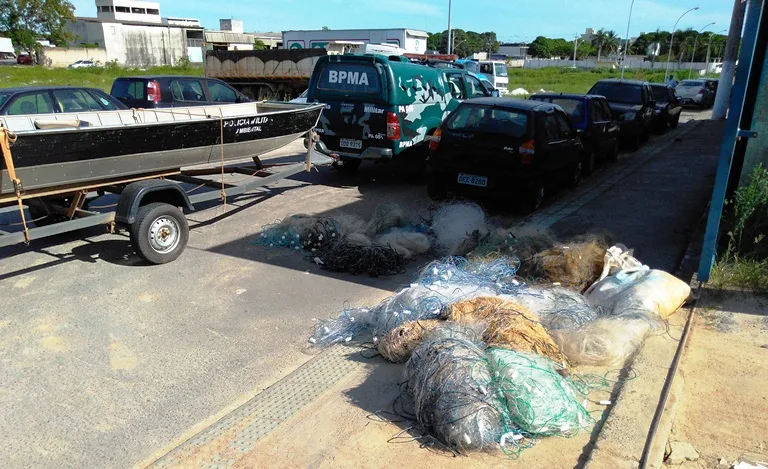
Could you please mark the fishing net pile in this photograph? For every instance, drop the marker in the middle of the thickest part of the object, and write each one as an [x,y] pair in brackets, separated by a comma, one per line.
[491,357]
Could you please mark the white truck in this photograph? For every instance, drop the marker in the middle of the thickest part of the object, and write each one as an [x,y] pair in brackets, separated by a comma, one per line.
[413,41]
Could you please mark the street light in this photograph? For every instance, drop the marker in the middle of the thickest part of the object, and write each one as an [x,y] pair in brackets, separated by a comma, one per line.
[690,67]
[671,41]
[709,45]
[449,27]
[626,40]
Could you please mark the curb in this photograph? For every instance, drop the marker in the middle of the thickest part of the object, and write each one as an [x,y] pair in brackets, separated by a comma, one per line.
[609,451]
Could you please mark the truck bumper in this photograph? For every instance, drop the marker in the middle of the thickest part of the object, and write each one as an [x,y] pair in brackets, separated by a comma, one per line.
[370,153]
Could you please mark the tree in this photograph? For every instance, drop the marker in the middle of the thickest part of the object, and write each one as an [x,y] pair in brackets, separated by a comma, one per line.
[325,28]
[606,41]
[258,44]
[27,20]
[541,47]
[435,42]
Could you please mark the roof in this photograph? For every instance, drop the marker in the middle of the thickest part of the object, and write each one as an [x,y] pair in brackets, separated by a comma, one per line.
[618,80]
[512,103]
[21,89]
[228,37]
[568,95]
[134,23]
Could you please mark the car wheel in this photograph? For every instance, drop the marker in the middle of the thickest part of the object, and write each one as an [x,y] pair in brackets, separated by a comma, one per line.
[675,122]
[646,135]
[436,188]
[347,167]
[534,197]
[634,142]
[576,174]
[588,164]
[613,155]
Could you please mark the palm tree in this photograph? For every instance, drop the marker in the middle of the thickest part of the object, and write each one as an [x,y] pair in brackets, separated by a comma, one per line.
[598,40]
[612,42]
[605,41]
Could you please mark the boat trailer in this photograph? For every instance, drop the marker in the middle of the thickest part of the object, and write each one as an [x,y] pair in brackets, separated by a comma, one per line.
[150,207]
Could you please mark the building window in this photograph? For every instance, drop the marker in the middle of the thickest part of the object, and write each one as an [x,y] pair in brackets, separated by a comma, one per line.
[152,11]
[139,11]
[122,10]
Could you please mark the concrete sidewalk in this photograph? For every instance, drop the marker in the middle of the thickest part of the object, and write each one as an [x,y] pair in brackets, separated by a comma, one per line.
[336,410]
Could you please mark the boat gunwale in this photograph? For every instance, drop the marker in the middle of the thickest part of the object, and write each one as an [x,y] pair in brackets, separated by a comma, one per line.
[203,118]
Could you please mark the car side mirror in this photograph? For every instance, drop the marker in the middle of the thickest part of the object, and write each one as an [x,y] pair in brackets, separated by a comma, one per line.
[495,93]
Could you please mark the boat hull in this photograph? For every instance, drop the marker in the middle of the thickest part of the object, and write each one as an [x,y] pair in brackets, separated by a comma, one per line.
[82,155]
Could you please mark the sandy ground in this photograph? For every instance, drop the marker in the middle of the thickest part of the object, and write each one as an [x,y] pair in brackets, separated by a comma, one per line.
[724,408]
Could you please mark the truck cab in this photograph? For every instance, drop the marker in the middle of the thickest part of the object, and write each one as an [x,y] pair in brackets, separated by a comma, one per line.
[379,108]
[496,72]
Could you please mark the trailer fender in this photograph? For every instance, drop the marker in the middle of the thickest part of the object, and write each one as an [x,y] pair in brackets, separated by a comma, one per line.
[140,193]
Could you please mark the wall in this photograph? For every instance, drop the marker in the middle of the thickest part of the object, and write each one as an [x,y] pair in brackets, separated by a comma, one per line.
[134,45]
[631,64]
[63,56]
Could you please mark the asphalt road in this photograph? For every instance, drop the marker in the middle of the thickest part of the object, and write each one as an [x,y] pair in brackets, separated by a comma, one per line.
[104,360]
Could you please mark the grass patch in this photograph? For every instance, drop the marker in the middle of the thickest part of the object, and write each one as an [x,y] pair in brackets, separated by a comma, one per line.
[97,77]
[744,265]
[743,274]
[569,80]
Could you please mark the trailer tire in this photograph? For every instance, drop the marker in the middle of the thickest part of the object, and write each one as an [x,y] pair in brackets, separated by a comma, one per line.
[160,233]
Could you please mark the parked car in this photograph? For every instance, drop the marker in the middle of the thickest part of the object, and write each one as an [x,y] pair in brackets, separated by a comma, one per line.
[632,104]
[695,93]
[504,147]
[592,119]
[668,107]
[83,64]
[25,58]
[52,99]
[173,91]
[379,108]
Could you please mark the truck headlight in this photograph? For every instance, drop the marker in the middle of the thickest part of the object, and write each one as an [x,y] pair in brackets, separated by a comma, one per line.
[628,116]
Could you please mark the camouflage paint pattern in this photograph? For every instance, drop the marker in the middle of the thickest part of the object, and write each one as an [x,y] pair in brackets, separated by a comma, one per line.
[417,94]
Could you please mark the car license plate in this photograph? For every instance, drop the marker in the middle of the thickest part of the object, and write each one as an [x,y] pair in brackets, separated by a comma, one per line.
[472,180]
[351,143]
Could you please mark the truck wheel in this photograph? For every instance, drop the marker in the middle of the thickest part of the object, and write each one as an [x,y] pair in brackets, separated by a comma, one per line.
[160,233]
[249,93]
[347,167]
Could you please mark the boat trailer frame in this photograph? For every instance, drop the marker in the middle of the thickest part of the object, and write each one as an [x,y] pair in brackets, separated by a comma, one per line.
[76,215]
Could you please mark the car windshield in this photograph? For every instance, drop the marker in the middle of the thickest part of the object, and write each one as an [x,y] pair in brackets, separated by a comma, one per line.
[501,69]
[4,97]
[573,107]
[619,92]
[697,84]
[489,120]
[660,94]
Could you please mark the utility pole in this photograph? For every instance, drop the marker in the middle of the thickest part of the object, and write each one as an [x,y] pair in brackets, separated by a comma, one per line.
[626,42]
[575,47]
[449,27]
[720,108]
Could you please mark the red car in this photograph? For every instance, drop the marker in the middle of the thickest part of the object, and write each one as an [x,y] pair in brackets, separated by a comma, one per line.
[25,59]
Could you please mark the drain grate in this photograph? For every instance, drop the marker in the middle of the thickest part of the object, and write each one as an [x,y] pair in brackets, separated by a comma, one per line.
[224,442]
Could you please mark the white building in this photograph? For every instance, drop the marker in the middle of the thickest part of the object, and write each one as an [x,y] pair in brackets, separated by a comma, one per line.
[412,40]
[235,26]
[128,10]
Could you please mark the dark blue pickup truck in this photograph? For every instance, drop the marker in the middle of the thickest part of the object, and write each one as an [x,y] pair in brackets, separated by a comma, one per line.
[591,117]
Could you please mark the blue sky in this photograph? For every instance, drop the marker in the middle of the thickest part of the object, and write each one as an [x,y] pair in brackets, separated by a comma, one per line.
[512,20]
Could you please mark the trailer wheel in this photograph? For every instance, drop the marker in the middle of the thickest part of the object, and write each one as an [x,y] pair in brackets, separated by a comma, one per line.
[160,233]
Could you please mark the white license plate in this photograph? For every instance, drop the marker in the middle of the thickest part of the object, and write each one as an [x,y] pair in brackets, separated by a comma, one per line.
[472,180]
[351,143]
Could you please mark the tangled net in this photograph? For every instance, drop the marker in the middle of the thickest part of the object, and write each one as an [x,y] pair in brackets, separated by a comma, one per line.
[349,255]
